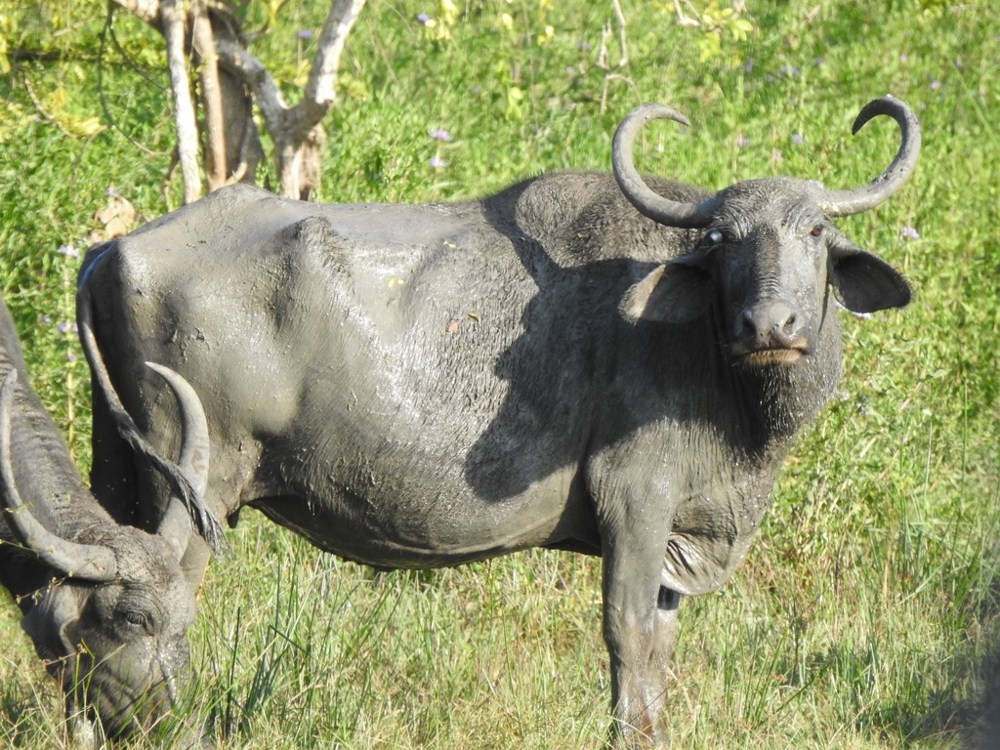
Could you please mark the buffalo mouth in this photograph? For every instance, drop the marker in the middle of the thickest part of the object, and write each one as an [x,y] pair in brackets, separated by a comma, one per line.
[125,712]
[781,356]
[124,709]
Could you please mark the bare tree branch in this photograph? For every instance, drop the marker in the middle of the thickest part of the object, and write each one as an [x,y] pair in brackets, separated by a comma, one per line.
[187,129]
[320,88]
[108,32]
[39,107]
[228,70]
[622,39]
[300,151]
[147,10]
[295,130]
[216,169]
[320,91]
[265,89]
[603,62]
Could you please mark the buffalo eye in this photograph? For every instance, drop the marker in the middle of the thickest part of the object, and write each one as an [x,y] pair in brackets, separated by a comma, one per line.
[817,230]
[136,619]
[715,237]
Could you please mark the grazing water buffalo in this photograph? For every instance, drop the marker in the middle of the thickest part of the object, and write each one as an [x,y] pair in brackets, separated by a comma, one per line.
[578,362]
[108,606]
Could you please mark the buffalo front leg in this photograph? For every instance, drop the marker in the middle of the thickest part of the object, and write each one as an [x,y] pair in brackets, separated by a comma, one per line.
[640,629]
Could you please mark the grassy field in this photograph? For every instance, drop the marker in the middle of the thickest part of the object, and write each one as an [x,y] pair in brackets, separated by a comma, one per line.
[868,611]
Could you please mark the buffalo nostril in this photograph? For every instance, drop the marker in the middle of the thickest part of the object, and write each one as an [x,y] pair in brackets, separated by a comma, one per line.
[768,325]
[781,318]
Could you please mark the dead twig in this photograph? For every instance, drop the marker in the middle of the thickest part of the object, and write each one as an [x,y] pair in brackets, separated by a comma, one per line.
[40,108]
[610,72]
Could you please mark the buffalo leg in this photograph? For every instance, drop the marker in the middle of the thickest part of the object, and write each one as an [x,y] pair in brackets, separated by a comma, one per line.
[640,629]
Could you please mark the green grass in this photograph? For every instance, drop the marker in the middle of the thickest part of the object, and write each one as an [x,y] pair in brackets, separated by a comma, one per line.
[867,611]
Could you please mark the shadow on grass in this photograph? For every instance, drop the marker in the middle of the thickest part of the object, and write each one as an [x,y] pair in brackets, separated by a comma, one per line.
[965,711]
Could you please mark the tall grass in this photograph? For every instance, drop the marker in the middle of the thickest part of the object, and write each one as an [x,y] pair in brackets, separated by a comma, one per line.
[867,611]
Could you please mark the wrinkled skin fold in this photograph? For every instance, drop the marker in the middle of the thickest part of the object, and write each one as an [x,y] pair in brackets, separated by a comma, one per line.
[611,365]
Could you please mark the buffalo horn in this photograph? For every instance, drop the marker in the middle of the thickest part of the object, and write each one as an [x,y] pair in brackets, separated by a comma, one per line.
[858,200]
[178,479]
[91,562]
[656,207]
[176,525]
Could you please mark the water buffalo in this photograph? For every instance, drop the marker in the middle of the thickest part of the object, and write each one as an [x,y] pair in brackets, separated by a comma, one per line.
[106,605]
[579,362]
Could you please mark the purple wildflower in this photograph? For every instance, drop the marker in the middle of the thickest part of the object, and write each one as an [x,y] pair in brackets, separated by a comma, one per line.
[748,66]
[70,357]
[777,156]
[423,18]
[910,233]
[798,139]
[441,135]
[111,192]
[935,84]
[304,34]
[66,327]
[438,163]
[742,142]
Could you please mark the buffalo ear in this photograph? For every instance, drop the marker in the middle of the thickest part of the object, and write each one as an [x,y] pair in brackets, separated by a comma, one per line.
[676,292]
[864,282]
[49,620]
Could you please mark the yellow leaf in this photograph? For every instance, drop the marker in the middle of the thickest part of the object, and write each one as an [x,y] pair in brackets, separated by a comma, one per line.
[57,100]
[83,126]
[302,73]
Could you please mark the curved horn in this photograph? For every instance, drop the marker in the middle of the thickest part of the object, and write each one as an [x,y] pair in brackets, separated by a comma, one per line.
[91,562]
[848,202]
[194,444]
[656,207]
[176,525]
[179,481]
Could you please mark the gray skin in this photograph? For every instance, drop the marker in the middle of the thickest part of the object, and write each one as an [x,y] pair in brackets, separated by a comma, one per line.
[106,605]
[420,386]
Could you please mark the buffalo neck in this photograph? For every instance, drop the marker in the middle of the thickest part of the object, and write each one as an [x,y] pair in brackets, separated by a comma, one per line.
[755,410]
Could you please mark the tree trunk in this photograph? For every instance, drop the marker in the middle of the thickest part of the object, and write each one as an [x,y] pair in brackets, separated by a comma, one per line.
[233,149]
[244,151]
[187,129]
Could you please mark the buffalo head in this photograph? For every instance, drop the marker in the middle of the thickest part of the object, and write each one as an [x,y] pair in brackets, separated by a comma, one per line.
[766,251]
[112,620]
